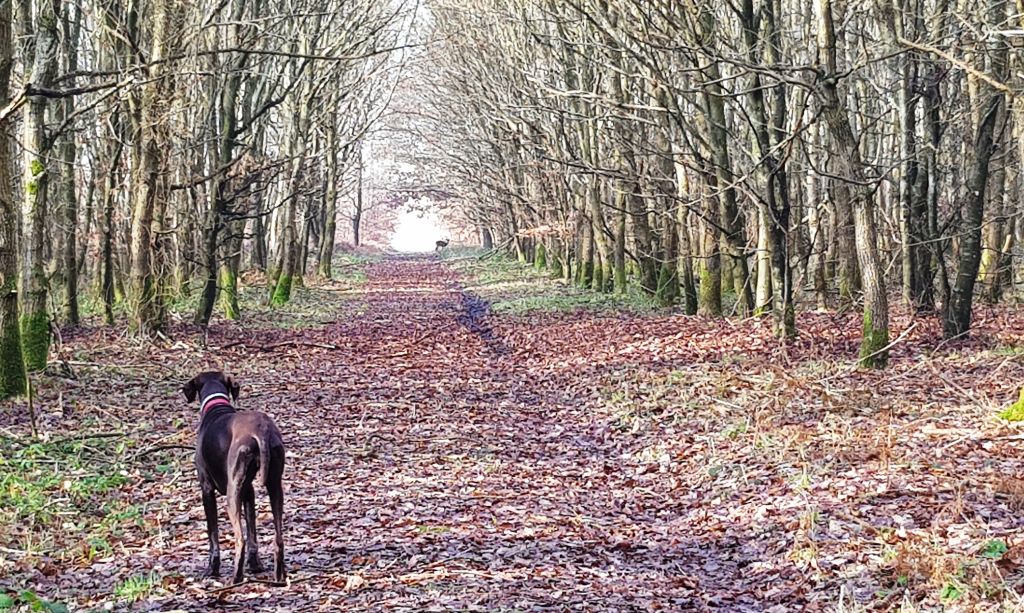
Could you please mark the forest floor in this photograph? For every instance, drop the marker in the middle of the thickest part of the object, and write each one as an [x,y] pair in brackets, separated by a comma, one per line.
[465,435]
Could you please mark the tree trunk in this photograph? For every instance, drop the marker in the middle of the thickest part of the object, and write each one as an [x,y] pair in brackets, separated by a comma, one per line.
[288,257]
[146,300]
[585,268]
[13,381]
[68,155]
[326,251]
[730,216]
[620,244]
[957,312]
[42,56]
[709,297]
[816,261]
[852,190]
[357,215]
[684,267]
[763,293]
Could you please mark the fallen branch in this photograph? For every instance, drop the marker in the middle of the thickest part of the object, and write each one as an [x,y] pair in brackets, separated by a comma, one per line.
[432,333]
[272,346]
[495,250]
[156,448]
[855,364]
[86,437]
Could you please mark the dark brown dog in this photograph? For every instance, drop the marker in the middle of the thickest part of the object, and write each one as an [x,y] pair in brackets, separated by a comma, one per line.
[232,449]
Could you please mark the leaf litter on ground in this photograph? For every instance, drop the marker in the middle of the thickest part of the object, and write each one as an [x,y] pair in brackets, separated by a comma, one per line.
[442,456]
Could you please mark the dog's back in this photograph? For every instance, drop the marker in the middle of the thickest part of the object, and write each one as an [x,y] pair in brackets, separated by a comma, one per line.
[258,447]
[238,446]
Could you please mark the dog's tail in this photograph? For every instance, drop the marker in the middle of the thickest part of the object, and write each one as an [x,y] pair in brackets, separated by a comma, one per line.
[264,457]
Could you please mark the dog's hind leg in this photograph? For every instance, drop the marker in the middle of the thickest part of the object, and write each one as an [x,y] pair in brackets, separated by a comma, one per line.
[210,508]
[252,550]
[235,515]
[274,490]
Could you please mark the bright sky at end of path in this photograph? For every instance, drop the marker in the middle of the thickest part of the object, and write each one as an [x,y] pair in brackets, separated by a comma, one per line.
[418,231]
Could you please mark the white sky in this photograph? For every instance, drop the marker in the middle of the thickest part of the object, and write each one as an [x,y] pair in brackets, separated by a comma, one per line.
[417,231]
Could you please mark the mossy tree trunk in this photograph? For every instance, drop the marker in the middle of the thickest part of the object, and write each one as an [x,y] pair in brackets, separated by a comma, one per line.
[853,189]
[288,259]
[709,296]
[150,160]
[326,248]
[666,188]
[13,381]
[41,63]
[730,218]
[540,260]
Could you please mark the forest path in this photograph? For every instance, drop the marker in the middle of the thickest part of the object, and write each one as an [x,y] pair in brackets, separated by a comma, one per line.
[430,466]
[440,457]
[444,456]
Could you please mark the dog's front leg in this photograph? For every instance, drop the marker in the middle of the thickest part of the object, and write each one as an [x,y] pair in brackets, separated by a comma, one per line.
[210,507]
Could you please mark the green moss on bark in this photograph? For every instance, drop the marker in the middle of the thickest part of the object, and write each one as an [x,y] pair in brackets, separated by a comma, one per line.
[872,343]
[620,279]
[229,293]
[35,340]
[540,259]
[709,300]
[556,266]
[668,287]
[598,281]
[12,365]
[586,274]
[283,291]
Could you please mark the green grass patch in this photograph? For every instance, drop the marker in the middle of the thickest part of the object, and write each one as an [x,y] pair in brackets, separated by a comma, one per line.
[569,299]
[134,589]
[28,600]
[64,499]
[309,301]
[1008,351]
[514,288]
[1015,412]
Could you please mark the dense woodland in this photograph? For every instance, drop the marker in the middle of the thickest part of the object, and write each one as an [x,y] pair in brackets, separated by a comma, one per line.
[737,158]
[157,148]
[761,151]
[727,320]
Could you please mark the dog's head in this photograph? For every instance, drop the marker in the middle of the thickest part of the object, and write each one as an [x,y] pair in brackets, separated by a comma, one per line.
[212,379]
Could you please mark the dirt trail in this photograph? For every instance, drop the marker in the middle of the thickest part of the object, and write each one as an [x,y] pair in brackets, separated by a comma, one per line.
[430,466]
[441,459]
[445,458]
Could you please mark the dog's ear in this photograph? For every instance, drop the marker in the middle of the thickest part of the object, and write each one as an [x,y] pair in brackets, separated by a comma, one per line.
[233,387]
[190,390]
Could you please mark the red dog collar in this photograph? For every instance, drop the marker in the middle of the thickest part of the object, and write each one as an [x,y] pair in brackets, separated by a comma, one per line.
[213,401]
